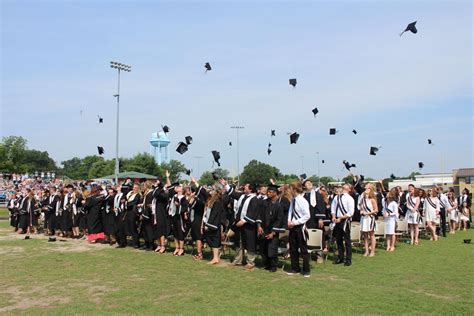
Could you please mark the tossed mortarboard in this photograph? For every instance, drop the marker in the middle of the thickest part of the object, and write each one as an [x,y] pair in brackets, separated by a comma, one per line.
[101,120]
[166,129]
[230,143]
[410,27]
[392,176]
[189,140]
[315,111]
[348,165]
[354,131]
[269,151]
[361,178]
[215,176]
[421,165]
[293,82]
[208,67]
[217,157]
[100,150]
[303,176]
[430,142]
[182,148]
[322,161]
[188,172]
[272,133]
[294,138]
[269,144]
[332,131]
[373,151]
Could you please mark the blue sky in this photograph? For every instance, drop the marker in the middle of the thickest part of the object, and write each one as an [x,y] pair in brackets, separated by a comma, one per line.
[347,57]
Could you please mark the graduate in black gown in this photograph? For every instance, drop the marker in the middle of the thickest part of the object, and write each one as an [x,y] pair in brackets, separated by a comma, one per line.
[247,208]
[147,231]
[66,215]
[119,209]
[270,225]
[52,211]
[161,223]
[77,214]
[178,211]
[28,219]
[44,209]
[197,200]
[92,207]
[12,206]
[131,215]
[108,216]
[212,223]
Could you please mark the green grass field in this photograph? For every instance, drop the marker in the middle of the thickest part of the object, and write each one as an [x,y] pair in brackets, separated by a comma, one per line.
[75,278]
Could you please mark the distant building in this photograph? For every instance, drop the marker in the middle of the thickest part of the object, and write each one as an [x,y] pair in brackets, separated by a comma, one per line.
[463,178]
[425,181]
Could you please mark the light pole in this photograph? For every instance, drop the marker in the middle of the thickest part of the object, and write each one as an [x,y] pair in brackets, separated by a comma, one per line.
[319,175]
[238,158]
[127,68]
[198,158]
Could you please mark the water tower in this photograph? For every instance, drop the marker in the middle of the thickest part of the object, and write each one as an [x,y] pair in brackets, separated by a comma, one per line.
[159,147]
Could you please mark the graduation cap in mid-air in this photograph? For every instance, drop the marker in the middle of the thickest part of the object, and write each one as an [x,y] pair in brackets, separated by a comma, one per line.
[361,178]
[217,157]
[215,176]
[374,150]
[269,151]
[421,165]
[188,172]
[182,148]
[315,111]
[430,142]
[410,27]
[166,129]
[332,131]
[322,161]
[294,138]
[392,176]
[303,176]
[348,165]
[293,82]
[100,150]
[230,143]
[101,120]
[189,140]
[354,131]
[272,133]
[208,67]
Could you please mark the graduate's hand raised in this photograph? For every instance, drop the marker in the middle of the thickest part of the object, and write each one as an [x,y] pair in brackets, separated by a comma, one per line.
[223,182]
[167,173]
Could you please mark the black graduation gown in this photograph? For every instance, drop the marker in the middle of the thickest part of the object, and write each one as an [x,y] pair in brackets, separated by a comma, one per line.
[78,217]
[285,205]
[271,219]
[212,227]
[197,213]
[249,231]
[109,215]
[66,215]
[131,217]
[161,221]
[13,209]
[92,207]
[27,213]
[53,217]
[311,223]
[178,221]
[148,231]
[44,208]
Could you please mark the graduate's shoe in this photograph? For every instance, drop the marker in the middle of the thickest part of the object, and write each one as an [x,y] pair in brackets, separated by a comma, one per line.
[347,263]
[273,269]
[121,246]
[292,272]
[306,275]
[338,261]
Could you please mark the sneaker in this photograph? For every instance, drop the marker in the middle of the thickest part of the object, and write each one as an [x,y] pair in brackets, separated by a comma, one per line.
[292,273]
[306,275]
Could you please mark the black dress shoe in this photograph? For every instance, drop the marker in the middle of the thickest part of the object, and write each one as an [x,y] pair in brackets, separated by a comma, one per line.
[273,270]
[120,246]
[347,263]
[338,261]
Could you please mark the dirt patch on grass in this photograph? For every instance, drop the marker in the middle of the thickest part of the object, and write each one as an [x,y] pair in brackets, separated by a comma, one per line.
[22,298]
[437,296]
[11,250]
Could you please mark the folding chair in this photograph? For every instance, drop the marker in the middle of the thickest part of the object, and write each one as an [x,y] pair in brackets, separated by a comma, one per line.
[355,235]
[283,249]
[401,228]
[227,244]
[188,240]
[380,231]
[315,241]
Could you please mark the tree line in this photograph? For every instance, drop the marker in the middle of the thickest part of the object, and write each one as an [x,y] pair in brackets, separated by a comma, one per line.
[15,157]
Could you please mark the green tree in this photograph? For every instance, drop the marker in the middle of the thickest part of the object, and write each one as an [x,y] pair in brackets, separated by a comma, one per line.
[175,167]
[258,172]
[77,168]
[38,161]
[101,168]
[326,179]
[143,162]
[207,179]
